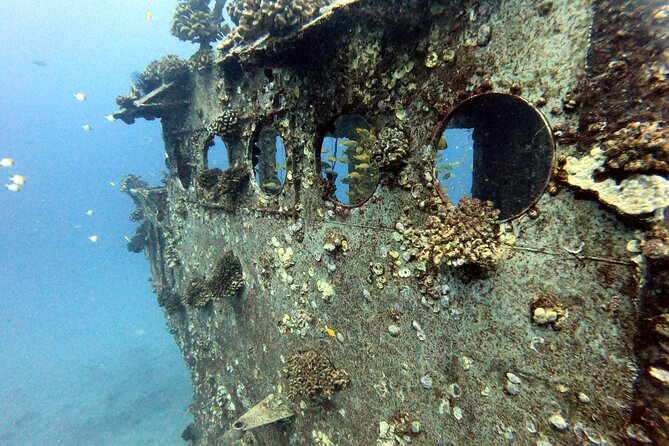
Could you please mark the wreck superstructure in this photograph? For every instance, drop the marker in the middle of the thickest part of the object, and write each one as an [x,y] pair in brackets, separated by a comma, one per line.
[373,311]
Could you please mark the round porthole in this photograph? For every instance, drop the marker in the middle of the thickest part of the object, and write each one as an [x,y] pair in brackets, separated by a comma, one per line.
[345,160]
[495,147]
[268,157]
[217,155]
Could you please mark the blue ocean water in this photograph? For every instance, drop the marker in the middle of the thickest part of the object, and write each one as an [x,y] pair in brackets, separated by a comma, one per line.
[85,355]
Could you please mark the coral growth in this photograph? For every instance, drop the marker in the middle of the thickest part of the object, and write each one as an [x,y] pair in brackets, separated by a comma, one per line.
[458,236]
[390,148]
[219,183]
[136,215]
[635,195]
[310,374]
[257,17]
[194,22]
[227,280]
[640,147]
[209,178]
[170,68]
[195,294]
[139,241]
[169,300]
[225,123]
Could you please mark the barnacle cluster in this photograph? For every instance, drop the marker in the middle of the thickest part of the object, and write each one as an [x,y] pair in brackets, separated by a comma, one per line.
[457,236]
[170,68]
[310,374]
[639,147]
[257,17]
[227,280]
[195,294]
[194,22]
[225,123]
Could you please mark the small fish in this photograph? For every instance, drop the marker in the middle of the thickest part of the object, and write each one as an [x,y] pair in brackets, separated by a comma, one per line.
[330,332]
[269,185]
[349,143]
[18,179]
[364,157]
[89,212]
[39,63]
[363,166]
[147,17]
[87,127]
[13,187]
[331,158]
[6,162]
[80,96]
[355,175]
[112,184]
[324,150]
[94,238]
[110,118]
[441,145]
[126,238]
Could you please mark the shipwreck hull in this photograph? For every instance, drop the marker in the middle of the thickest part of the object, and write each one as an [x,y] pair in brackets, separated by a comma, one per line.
[435,354]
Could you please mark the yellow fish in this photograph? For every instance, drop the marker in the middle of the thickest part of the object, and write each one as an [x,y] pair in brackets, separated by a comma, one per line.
[6,162]
[94,238]
[355,175]
[331,158]
[148,16]
[80,96]
[364,157]
[330,332]
[441,145]
[13,187]
[363,166]
[324,150]
[269,185]
[18,179]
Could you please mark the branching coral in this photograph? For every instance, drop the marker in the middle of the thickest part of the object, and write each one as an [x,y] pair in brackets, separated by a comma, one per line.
[640,147]
[257,17]
[194,22]
[228,279]
[310,374]
[458,236]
